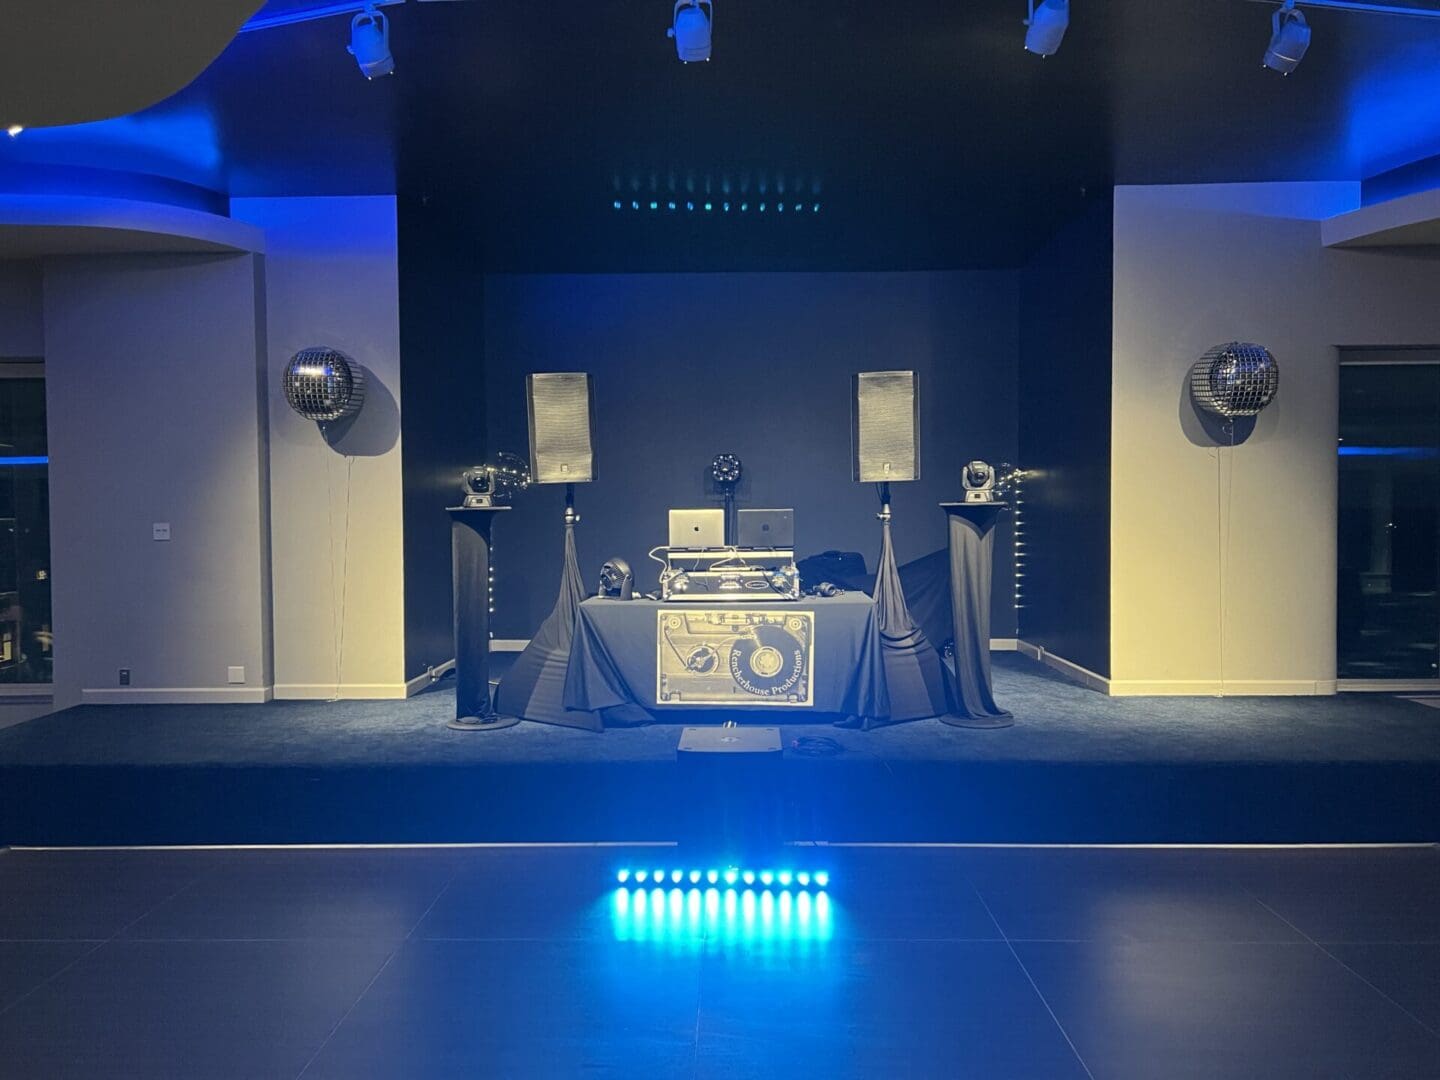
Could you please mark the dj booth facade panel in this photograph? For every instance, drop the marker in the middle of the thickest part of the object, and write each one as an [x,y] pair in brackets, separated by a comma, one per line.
[613,662]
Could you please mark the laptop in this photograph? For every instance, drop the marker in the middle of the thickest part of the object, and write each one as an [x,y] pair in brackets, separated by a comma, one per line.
[691,530]
[765,529]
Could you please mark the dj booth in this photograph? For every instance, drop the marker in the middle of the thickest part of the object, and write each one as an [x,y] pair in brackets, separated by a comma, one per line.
[811,661]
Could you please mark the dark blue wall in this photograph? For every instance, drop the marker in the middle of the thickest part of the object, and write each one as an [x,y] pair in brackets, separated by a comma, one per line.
[1064,413]
[442,417]
[688,365]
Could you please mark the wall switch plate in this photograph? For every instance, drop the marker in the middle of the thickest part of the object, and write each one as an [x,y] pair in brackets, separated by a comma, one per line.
[160,530]
[124,676]
[237,675]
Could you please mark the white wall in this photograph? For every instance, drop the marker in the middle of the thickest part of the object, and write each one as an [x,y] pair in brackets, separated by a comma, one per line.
[337,538]
[22,319]
[1196,266]
[153,392]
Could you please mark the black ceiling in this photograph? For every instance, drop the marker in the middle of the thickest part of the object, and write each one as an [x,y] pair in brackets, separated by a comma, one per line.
[925,133]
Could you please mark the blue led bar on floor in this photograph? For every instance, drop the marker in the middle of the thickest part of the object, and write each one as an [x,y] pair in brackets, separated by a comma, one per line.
[730,876]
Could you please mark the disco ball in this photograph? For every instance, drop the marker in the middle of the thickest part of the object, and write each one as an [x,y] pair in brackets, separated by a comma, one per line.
[1236,379]
[322,384]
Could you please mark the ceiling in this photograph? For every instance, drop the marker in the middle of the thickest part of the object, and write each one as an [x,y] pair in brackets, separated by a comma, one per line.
[924,132]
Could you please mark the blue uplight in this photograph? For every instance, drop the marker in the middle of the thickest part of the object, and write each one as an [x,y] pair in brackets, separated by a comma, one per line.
[802,879]
[1409,453]
[41,460]
[766,877]
[641,875]
[784,878]
[622,876]
[694,877]
[748,877]
[822,879]
[712,876]
[676,876]
[731,876]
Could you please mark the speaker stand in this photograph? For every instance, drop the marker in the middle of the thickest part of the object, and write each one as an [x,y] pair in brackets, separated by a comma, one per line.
[470,576]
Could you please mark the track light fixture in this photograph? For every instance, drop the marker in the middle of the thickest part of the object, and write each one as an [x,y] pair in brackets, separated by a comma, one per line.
[370,43]
[691,29]
[1289,38]
[1046,26]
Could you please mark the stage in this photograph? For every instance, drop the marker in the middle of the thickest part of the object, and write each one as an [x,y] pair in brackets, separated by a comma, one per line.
[1076,767]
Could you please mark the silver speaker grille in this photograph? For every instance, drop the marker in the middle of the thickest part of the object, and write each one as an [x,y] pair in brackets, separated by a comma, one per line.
[561,408]
[885,430]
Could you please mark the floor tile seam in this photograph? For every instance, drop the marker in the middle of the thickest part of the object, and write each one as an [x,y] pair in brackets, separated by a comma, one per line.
[1034,985]
[410,936]
[95,946]
[1350,970]
[330,1035]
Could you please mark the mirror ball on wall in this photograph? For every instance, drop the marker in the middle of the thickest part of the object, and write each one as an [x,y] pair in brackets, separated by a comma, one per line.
[1235,379]
[323,384]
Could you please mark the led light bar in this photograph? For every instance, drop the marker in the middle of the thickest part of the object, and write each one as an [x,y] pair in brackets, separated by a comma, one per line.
[731,876]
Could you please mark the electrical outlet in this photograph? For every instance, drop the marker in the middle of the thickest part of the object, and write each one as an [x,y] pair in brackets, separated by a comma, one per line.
[124,676]
[237,675]
[160,530]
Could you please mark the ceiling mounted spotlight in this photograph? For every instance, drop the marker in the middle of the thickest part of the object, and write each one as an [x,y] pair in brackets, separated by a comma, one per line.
[1289,38]
[691,27]
[370,43]
[1046,26]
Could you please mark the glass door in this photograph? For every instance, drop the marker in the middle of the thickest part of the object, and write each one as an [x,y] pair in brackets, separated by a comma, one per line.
[1389,541]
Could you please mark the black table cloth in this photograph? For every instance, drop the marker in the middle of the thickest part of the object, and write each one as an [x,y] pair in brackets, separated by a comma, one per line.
[613,663]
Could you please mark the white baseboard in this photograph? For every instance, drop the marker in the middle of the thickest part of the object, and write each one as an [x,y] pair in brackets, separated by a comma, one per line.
[1228,688]
[346,692]
[427,679]
[1071,670]
[176,695]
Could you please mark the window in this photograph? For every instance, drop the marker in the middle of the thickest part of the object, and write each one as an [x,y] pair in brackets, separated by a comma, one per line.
[25,623]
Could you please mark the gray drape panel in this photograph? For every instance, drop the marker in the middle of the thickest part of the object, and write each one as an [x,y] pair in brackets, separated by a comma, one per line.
[914,673]
[534,687]
[470,578]
[972,543]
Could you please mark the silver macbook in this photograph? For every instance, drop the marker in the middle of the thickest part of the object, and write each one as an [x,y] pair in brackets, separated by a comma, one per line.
[765,529]
[691,529]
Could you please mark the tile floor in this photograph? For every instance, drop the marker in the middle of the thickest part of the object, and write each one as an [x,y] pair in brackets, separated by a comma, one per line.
[530,962]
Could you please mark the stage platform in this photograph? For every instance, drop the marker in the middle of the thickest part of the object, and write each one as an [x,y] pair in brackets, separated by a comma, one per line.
[1077,767]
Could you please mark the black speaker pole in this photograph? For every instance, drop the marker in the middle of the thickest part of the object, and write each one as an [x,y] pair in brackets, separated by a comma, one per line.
[571,517]
[470,575]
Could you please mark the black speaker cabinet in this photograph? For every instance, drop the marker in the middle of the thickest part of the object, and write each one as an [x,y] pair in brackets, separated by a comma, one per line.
[885,426]
[561,408]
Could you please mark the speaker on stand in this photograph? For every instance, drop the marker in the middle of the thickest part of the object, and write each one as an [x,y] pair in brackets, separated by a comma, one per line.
[561,409]
[560,406]
[885,437]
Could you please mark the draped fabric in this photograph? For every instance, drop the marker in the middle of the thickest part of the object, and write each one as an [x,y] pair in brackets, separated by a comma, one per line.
[613,669]
[470,567]
[914,672]
[972,541]
[534,687]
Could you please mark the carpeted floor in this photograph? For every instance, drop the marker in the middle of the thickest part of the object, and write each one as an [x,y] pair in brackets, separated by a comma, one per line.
[1077,767]
[1056,721]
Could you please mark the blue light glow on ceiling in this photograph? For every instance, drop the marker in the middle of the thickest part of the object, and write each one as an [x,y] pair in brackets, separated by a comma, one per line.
[42,460]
